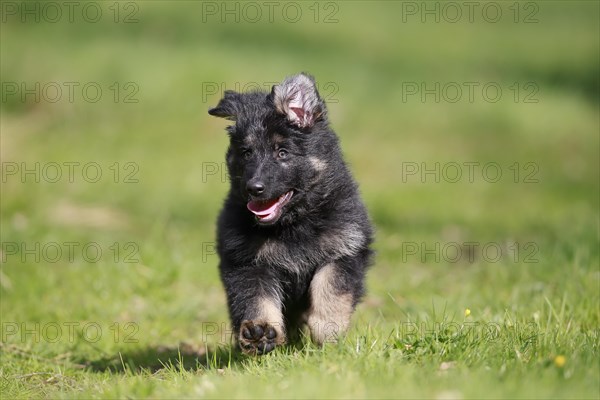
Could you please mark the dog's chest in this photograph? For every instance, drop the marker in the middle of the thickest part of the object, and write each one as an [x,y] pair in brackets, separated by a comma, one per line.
[303,256]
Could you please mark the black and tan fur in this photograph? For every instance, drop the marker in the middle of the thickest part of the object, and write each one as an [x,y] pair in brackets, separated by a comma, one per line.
[308,266]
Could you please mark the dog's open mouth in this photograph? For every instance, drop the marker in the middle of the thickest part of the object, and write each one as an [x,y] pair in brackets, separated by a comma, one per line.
[267,211]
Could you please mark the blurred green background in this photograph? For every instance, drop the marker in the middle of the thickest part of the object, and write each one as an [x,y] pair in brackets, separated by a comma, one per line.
[389,71]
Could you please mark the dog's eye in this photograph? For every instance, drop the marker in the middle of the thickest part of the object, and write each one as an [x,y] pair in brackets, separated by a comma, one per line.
[246,154]
[282,153]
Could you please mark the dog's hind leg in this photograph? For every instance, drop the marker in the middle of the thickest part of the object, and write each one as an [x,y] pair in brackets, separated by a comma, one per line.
[331,305]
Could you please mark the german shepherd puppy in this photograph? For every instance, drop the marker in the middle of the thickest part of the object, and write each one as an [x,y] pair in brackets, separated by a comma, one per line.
[293,235]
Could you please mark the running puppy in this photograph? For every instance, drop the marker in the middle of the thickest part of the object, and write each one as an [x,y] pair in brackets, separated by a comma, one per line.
[293,234]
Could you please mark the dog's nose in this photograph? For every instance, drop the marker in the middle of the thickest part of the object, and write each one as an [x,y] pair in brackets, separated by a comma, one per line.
[255,188]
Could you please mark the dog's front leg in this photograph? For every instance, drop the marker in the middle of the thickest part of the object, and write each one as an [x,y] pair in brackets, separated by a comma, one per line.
[256,313]
[262,328]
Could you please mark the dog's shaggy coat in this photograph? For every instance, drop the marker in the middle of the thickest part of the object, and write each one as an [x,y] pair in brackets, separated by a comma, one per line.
[293,235]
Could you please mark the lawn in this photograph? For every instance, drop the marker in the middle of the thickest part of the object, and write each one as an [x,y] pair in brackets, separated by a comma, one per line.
[472,129]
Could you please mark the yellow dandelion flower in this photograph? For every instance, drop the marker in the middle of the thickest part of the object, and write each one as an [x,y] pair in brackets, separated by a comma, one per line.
[467,312]
[560,361]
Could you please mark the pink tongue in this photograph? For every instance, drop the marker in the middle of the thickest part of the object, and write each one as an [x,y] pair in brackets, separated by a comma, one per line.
[262,208]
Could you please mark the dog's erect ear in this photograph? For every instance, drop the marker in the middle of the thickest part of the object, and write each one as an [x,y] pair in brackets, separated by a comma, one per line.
[298,99]
[228,106]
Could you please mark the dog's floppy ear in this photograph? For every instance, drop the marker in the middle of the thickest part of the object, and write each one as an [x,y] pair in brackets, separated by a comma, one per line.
[298,99]
[228,106]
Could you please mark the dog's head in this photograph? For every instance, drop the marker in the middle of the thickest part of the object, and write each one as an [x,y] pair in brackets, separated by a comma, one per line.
[278,147]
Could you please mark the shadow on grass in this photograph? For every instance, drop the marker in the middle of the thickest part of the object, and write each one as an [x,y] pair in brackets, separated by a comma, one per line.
[153,359]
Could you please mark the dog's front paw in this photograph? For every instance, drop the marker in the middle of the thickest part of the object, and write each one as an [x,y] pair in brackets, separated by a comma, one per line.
[257,338]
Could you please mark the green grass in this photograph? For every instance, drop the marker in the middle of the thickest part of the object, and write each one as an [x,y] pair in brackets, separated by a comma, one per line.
[149,319]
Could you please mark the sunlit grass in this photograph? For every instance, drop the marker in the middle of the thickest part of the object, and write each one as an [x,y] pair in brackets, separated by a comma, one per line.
[533,319]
